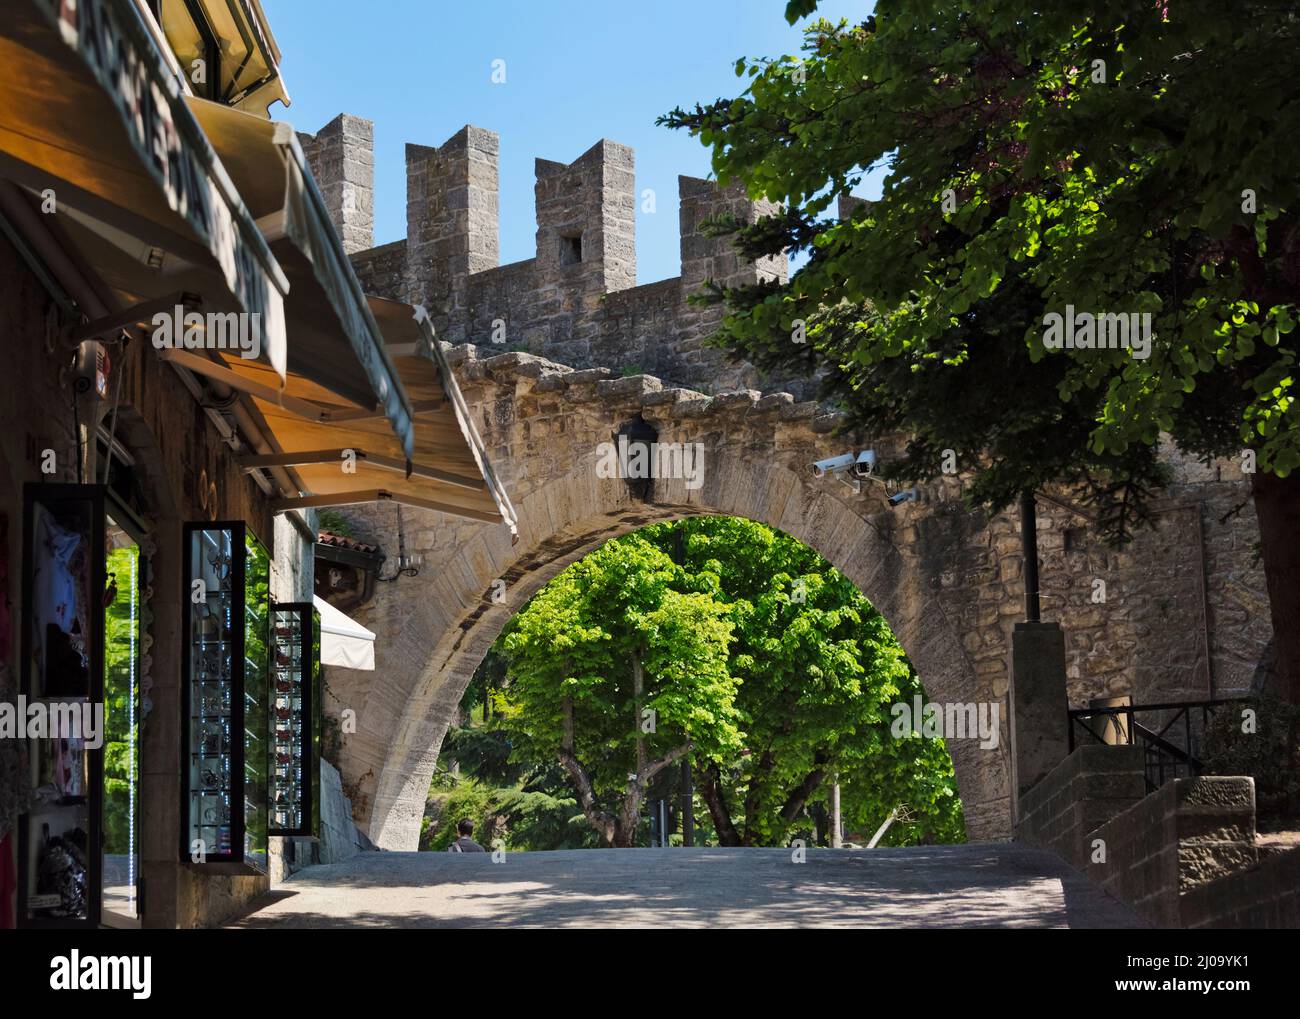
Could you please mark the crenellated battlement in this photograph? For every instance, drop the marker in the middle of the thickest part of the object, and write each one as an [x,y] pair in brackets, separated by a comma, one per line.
[577,299]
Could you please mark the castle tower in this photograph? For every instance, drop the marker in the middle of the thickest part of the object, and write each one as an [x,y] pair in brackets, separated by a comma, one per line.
[586,222]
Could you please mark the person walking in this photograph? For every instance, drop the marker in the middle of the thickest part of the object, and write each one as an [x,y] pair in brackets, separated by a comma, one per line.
[463,843]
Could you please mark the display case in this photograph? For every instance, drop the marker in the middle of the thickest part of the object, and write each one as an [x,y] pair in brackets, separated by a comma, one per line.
[294,781]
[224,702]
[62,679]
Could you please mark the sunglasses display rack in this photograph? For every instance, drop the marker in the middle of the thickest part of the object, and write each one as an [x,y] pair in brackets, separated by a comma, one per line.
[294,658]
[287,764]
[224,757]
[212,704]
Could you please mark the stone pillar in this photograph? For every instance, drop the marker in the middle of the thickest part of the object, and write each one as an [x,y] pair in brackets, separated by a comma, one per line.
[342,159]
[451,221]
[1039,703]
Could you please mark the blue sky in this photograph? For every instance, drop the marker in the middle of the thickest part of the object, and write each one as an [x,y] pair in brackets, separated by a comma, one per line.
[576,71]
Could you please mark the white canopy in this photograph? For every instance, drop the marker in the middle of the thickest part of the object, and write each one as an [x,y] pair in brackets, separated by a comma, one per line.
[344,641]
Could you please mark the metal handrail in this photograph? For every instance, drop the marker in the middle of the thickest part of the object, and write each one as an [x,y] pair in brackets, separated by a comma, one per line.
[1162,758]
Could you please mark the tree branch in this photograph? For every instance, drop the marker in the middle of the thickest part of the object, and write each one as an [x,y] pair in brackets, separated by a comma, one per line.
[799,795]
[653,769]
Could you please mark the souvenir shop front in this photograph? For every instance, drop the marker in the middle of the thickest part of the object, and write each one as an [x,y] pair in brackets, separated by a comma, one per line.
[159,674]
[159,650]
[249,724]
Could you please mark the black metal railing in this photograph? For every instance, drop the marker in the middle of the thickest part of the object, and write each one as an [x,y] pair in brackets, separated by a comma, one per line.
[1171,742]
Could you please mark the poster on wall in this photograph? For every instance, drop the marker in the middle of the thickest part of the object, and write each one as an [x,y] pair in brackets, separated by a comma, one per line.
[61,681]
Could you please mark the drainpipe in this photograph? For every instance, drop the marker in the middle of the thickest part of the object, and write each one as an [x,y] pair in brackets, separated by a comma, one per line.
[227,399]
[1029,551]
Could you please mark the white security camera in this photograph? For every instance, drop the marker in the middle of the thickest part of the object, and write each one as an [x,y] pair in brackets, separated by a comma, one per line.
[907,495]
[865,465]
[835,465]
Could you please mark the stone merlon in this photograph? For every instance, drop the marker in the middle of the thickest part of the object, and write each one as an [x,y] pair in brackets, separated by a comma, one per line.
[577,301]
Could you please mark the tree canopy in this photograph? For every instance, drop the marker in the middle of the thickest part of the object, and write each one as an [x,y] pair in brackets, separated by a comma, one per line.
[1102,157]
[737,645]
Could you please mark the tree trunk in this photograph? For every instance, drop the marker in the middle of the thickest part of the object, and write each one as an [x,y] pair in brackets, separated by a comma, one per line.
[638,687]
[753,795]
[710,785]
[630,811]
[1277,506]
[601,820]
[799,795]
[821,829]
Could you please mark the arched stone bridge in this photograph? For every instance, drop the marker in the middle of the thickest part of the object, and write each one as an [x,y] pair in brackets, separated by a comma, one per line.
[1185,614]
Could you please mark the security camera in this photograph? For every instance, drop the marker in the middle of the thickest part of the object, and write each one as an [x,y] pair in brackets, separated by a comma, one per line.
[92,369]
[835,464]
[907,495]
[865,465]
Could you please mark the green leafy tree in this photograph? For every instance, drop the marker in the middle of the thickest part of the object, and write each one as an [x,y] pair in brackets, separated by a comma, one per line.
[817,667]
[121,718]
[1113,156]
[617,671]
[516,819]
[758,658]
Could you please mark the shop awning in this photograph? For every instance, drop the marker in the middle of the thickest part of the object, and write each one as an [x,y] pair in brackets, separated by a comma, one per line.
[93,119]
[92,111]
[345,454]
[344,641]
[247,74]
[335,340]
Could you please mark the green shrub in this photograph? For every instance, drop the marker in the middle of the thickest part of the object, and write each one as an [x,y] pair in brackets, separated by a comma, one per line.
[522,820]
[1270,755]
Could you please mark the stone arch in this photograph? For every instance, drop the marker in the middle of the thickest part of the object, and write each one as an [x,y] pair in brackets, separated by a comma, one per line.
[949,580]
[405,715]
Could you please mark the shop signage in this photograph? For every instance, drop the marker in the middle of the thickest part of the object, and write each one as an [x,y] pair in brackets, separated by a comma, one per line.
[114,47]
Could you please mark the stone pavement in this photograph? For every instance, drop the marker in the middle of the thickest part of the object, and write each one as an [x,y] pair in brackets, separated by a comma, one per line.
[979,885]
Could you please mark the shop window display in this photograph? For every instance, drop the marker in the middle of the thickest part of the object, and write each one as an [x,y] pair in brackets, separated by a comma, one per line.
[62,679]
[227,739]
[294,783]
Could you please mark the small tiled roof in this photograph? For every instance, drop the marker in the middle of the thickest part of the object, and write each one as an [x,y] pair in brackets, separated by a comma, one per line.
[342,541]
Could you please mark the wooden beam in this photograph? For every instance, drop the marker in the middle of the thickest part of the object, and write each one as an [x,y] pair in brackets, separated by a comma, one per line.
[382,495]
[273,226]
[384,463]
[135,315]
[421,471]
[418,407]
[306,456]
[213,370]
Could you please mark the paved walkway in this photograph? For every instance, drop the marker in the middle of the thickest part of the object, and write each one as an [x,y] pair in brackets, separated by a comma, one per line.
[991,885]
